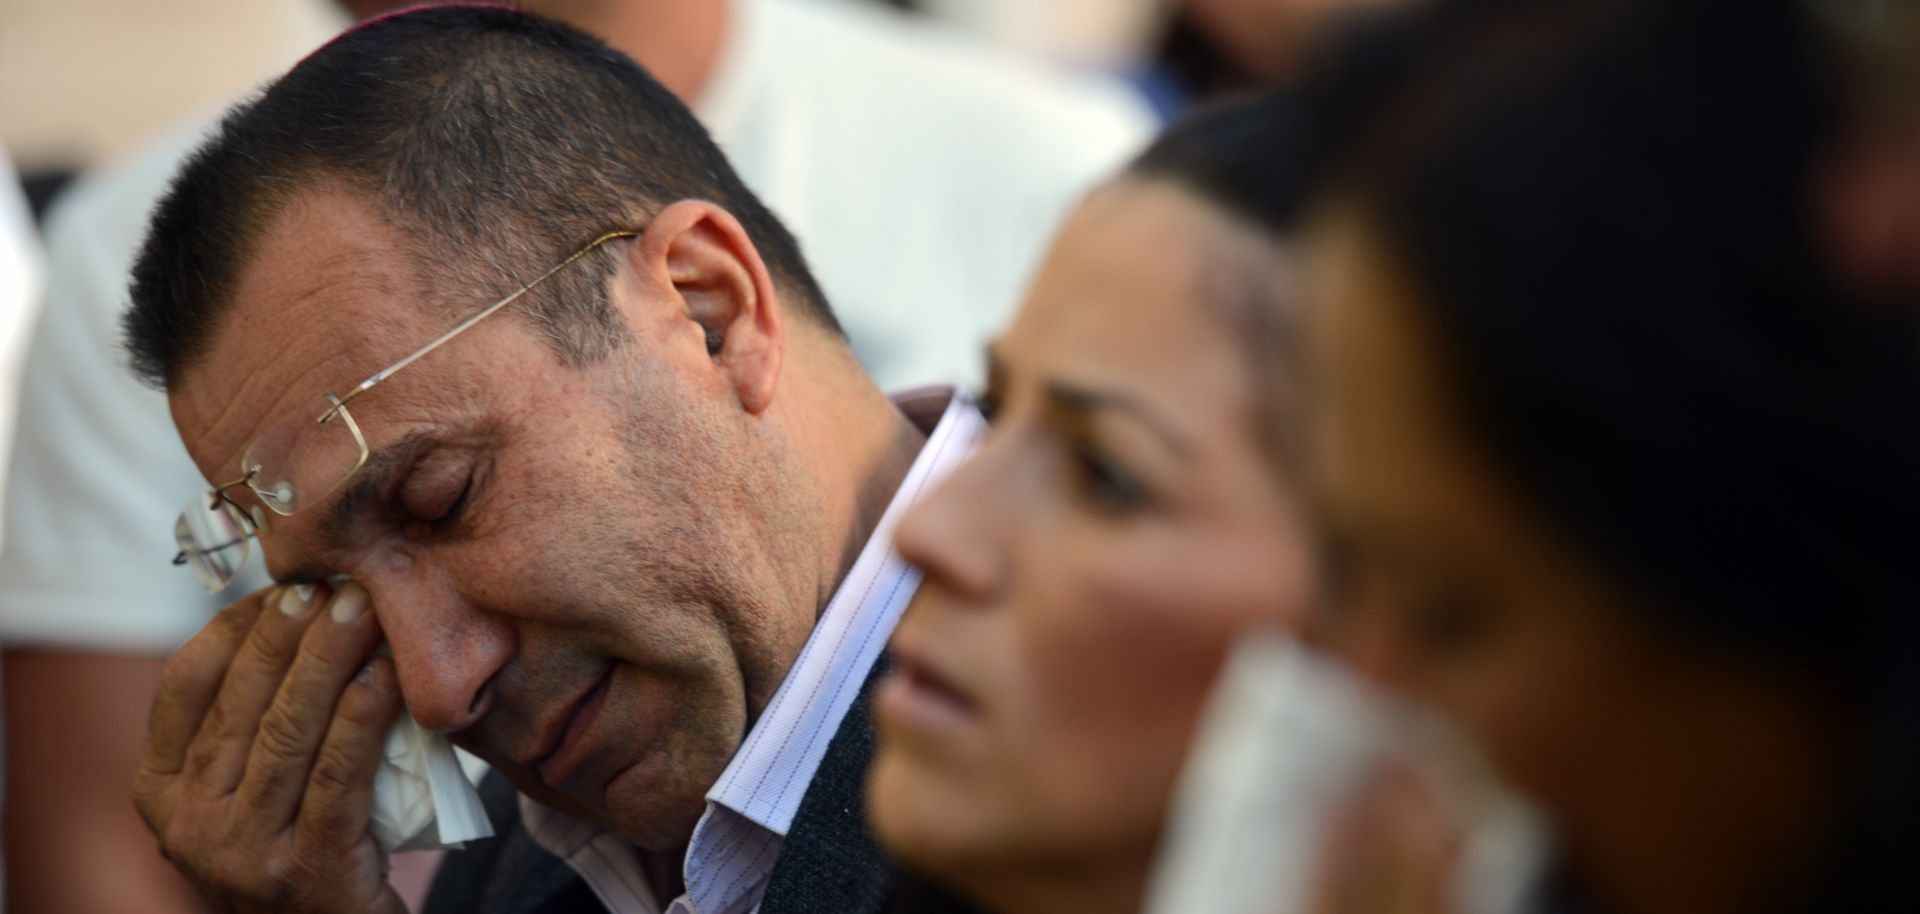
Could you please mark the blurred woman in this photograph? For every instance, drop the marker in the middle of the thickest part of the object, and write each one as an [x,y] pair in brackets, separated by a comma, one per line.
[1129,512]
[1619,481]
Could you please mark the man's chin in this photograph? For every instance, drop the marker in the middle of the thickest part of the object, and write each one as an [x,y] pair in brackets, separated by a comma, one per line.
[650,816]
[531,787]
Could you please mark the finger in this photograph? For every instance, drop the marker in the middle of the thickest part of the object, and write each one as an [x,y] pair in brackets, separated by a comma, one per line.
[1397,851]
[218,756]
[192,679]
[1422,842]
[1339,882]
[335,646]
[338,801]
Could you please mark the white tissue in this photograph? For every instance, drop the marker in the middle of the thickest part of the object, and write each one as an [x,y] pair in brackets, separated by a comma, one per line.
[422,795]
[1286,740]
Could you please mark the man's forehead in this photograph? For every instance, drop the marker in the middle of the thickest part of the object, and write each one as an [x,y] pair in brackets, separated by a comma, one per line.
[322,299]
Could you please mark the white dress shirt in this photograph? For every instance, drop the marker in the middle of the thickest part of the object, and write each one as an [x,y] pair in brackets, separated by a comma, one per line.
[751,806]
[923,174]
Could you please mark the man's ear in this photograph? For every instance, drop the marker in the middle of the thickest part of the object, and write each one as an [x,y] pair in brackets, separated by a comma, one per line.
[722,290]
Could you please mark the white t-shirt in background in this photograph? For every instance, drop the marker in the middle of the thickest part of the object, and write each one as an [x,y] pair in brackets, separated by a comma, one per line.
[19,297]
[924,173]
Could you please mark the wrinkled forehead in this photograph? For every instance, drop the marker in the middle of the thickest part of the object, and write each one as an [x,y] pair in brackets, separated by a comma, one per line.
[327,296]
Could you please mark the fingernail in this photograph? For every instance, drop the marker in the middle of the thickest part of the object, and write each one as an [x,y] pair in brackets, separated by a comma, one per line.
[349,603]
[365,676]
[292,602]
[305,591]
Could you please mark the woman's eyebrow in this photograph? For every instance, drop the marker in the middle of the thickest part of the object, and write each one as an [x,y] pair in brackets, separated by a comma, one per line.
[1077,399]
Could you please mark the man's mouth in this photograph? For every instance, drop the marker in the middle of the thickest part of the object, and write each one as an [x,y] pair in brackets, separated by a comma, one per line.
[569,742]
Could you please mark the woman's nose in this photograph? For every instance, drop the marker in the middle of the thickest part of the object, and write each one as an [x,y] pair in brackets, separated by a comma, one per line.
[956,534]
[1366,640]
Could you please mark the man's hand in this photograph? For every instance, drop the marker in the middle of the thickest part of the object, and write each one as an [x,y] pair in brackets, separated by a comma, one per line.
[264,739]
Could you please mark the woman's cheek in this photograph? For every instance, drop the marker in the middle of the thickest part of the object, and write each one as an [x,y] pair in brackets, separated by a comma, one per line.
[1121,664]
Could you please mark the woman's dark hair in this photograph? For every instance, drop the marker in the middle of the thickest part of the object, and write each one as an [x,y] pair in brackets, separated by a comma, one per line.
[1606,211]
[1198,66]
[1248,159]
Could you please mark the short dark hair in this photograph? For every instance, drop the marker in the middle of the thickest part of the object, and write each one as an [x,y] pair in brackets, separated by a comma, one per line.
[480,129]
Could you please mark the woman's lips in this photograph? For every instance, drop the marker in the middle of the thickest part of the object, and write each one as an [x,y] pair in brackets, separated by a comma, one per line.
[916,696]
[576,741]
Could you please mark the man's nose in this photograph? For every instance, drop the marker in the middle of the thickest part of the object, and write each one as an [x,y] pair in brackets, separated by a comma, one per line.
[445,652]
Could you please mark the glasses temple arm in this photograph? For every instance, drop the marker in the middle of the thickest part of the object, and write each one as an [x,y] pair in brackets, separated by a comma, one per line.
[477,317]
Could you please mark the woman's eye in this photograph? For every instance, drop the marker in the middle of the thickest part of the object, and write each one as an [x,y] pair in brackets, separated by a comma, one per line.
[1108,485]
[1447,621]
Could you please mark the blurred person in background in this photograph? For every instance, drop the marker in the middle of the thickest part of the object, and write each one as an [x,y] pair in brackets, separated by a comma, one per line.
[1131,510]
[1213,49]
[1266,40]
[1870,184]
[1180,53]
[20,280]
[1109,35]
[1617,466]
[921,173]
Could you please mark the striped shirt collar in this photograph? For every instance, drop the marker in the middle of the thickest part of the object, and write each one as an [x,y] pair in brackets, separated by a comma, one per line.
[751,806]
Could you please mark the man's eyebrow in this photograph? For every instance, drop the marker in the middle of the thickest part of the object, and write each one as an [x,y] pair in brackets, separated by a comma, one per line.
[1079,399]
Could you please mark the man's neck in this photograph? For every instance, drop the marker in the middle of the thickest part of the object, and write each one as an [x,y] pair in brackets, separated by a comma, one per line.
[875,493]
[680,43]
[665,873]
[855,445]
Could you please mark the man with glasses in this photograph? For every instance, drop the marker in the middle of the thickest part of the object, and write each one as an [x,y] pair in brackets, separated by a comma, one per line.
[489,355]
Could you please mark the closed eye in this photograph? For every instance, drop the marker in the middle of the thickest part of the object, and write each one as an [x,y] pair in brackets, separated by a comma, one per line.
[454,511]
[437,491]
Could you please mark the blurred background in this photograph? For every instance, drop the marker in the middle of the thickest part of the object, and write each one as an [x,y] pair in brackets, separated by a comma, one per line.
[83,82]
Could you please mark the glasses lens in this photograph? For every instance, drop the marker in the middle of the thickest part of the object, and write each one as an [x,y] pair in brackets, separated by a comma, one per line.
[213,537]
[305,456]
